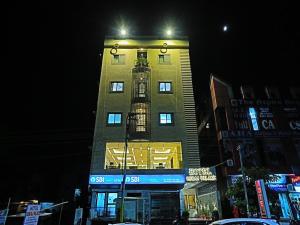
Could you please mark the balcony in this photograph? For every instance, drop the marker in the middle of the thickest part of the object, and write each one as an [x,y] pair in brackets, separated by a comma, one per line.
[141,62]
[140,91]
[141,65]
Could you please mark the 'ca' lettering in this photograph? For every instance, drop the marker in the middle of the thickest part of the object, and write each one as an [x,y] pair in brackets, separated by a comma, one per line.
[268,124]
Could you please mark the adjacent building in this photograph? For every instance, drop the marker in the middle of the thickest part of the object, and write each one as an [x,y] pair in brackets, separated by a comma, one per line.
[145,101]
[263,123]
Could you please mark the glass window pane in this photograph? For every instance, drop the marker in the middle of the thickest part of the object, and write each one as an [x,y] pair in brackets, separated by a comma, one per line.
[169,119]
[111,118]
[100,199]
[163,118]
[161,58]
[112,197]
[119,87]
[168,86]
[166,58]
[121,59]
[117,118]
[162,87]
[114,86]
[116,58]
[100,203]
[111,210]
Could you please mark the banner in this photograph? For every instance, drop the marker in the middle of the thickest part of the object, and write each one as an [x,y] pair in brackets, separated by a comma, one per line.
[262,199]
[3,216]
[78,216]
[32,215]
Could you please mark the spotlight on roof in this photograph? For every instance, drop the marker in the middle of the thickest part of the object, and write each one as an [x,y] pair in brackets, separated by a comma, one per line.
[169,32]
[123,32]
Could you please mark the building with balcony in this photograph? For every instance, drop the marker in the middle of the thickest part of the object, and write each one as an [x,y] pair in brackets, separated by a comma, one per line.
[145,101]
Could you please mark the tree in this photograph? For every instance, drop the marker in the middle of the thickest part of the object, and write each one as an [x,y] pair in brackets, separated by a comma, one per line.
[236,190]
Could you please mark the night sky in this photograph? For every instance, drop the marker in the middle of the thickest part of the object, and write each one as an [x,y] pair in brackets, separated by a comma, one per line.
[53,66]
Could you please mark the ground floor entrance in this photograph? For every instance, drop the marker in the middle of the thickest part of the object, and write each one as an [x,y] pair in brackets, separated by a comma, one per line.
[164,205]
[140,206]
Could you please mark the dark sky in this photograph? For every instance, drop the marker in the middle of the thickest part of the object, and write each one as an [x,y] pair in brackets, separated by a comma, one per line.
[53,49]
[53,63]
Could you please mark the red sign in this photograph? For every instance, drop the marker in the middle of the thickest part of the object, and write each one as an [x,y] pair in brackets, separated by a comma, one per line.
[262,199]
[295,179]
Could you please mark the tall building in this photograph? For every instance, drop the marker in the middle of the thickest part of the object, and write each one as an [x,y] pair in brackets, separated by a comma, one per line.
[145,100]
[262,123]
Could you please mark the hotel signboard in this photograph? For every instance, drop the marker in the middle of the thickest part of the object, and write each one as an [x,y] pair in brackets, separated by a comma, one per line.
[201,174]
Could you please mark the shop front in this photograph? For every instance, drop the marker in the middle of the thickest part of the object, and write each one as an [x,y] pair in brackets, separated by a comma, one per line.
[201,197]
[147,197]
[282,194]
[287,195]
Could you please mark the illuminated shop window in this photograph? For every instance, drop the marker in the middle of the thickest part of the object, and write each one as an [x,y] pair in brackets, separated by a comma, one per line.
[100,204]
[166,119]
[165,87]
[114,118]
[117,86]
[253,118]
[146,155]
[106,204]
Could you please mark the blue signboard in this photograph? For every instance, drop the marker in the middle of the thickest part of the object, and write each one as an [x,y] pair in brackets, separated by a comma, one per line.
[278,187]
[138,179]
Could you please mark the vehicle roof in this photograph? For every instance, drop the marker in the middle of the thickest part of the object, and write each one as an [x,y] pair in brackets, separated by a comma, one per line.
[269,221]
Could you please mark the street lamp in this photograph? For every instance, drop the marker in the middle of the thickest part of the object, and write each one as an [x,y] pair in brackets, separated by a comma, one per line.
[128,119]
[239,149]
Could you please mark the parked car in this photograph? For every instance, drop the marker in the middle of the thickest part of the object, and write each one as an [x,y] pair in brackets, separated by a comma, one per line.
[245,221]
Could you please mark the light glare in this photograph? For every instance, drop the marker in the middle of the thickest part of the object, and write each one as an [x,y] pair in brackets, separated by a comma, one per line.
[123,32]
[169,32]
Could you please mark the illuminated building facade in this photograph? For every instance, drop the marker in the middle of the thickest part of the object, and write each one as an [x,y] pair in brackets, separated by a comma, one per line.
[151,79]
[266,127]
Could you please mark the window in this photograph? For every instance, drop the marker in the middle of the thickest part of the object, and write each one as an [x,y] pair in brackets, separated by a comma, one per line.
[114,118]
[141,90]
[111,204]
[118,59]
[144,155]
[141,124]
[100,204]
[166,119]
[106,204]
[117,86]
[164,59]
[165,87]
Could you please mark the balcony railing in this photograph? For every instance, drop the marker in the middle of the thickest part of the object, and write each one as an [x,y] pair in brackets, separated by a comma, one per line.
[139,126]
[141,62]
